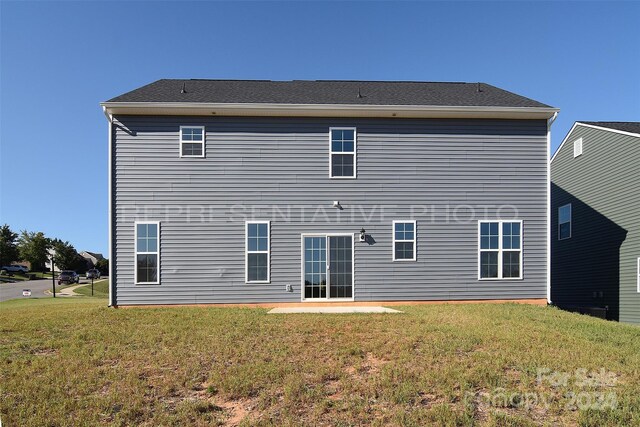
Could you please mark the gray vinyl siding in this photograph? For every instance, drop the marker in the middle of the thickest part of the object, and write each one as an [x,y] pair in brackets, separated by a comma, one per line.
[601,255]
[278,169]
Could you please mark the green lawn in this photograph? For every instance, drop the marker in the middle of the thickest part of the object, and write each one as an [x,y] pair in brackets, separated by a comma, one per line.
[40,275]
[12,278]
[18,277]
[100,289]
[75,361]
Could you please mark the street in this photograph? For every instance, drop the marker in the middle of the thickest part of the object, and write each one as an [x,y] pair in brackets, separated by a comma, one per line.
[14,290]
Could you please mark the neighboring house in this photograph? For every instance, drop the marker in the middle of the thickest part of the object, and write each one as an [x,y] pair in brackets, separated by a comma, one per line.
[23,263]
[91,258]
[595,181]
[260,191]
[47,263]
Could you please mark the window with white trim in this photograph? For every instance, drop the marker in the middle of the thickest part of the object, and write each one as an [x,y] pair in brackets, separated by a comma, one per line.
[564,222]
[500,249]
[258,247]
[577,147]
[404,240]
[342,152]
[147,253]
[192,141]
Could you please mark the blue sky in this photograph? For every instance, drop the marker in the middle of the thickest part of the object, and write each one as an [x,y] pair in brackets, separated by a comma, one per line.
[60,59]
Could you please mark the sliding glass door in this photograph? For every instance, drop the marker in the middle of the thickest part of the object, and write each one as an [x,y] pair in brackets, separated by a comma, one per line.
[327,267]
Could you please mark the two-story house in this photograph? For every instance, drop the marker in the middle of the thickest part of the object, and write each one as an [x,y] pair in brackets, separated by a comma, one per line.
[304,191]
[595,196]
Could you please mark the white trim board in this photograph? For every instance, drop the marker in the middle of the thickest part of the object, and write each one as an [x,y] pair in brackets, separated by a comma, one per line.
[609,129]
[112,279]
[548,206]
[325,110]
[638,274]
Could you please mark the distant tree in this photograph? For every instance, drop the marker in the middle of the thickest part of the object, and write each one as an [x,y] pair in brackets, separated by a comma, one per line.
[103,266]
[8,246]
[34,247]
[66,256]
[81,264]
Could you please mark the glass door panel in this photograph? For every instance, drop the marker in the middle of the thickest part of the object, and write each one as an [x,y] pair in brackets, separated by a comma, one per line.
[340,267]
[315,267]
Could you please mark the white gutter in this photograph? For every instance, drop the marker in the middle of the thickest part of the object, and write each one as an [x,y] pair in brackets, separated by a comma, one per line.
[549,123]
[325,110]
[111,276]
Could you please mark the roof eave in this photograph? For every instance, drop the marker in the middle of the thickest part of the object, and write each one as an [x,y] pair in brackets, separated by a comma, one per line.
[608,129]
[324,110]
[576,124]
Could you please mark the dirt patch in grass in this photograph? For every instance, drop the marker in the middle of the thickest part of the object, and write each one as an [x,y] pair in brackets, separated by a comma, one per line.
[44,351]
[238,411]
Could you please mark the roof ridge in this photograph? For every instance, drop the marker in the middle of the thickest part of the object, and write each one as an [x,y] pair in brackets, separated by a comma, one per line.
[605,121]
[326,81]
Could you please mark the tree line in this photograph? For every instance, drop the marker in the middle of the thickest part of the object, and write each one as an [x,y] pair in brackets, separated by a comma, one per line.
[34,247]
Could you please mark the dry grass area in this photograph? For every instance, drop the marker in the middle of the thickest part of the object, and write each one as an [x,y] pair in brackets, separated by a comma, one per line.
[77,362]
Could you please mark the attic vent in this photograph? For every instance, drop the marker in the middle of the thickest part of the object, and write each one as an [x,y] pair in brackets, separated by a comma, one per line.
[577,147]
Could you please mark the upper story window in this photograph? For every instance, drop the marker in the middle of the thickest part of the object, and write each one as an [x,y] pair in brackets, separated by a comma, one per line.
[191,141]
[342,153]
[257,255]
[564,222]
[404,240]
[500,249]
[577,147]
[147,253]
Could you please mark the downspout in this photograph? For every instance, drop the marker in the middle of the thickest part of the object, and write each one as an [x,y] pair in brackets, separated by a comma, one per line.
[549,123]
[111,277]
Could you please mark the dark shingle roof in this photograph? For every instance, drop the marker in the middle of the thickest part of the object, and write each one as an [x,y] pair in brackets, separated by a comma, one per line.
[633,127]
[327,92]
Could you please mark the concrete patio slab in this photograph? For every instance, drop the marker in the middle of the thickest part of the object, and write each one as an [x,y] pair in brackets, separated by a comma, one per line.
[333,310]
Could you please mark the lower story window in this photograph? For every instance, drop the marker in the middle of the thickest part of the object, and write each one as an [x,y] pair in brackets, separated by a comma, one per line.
[404,240]
[257,256]
[500,249]
[147,253]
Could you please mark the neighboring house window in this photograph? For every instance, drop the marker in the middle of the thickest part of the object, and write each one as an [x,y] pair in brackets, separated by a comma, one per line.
[257,256]
[342,153]
[577,147]
[564,222]
[191,141]
[147,253]
[500,249]
[404,240]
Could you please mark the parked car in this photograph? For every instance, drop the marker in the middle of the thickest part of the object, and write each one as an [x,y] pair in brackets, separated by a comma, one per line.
[15,268]
[93,274]
[68,277]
